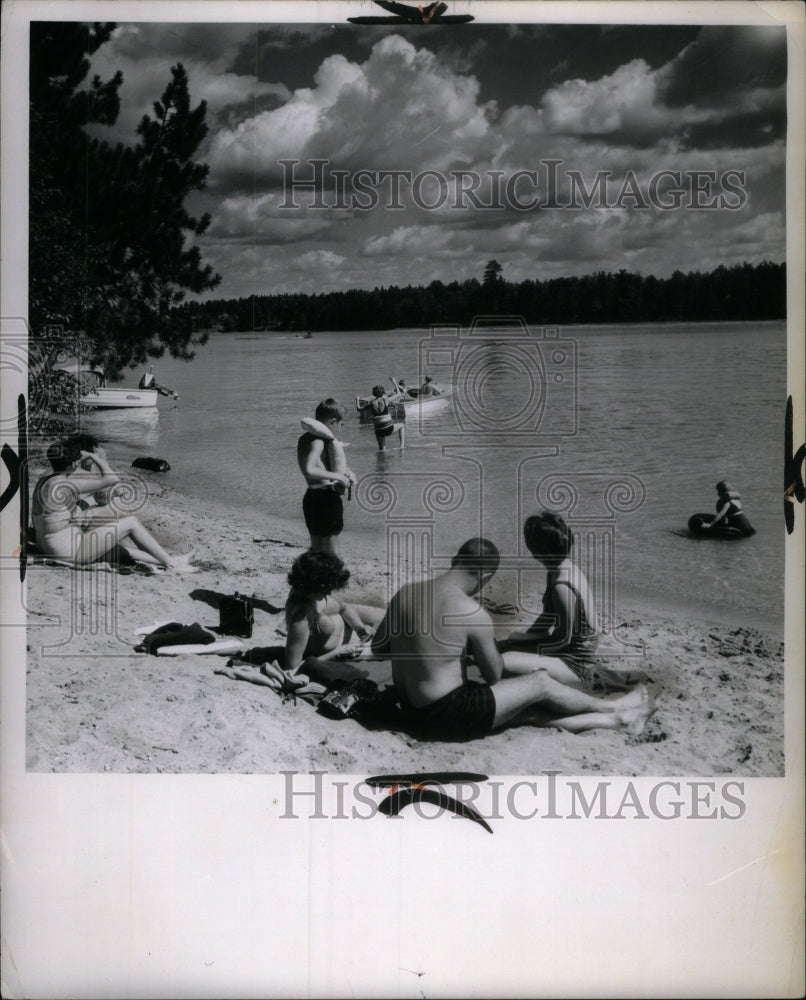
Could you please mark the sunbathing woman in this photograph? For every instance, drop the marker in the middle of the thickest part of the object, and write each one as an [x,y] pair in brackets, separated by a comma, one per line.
[317,623]
[567,631]
[59,522]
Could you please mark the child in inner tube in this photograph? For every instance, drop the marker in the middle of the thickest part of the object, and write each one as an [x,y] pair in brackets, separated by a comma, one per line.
[729,513]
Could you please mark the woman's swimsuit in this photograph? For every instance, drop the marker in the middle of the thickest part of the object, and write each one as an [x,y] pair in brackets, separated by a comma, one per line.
[326,625]
[735,517]
[580,650]
[382,419]
[56,535]
[579,654]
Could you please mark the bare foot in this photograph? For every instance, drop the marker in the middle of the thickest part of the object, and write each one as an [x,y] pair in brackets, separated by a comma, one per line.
[635,717]
[182,564]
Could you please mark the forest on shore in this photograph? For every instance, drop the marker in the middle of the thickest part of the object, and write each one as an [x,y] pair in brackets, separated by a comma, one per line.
[741,292]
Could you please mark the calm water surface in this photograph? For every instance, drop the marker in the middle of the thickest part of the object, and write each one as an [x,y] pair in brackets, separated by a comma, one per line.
[626,429]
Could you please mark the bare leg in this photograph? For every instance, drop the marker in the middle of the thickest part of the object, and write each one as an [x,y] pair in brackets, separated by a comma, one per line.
[100,540]
[518,664]
[515,694]
[401,433]
[633,718]
[324,543]
[367,615]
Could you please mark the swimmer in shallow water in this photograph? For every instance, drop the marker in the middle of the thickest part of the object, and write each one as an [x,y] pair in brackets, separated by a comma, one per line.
[382,421]
[729,512]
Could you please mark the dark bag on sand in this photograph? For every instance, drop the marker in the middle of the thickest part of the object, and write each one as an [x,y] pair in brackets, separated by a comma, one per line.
[237,616]
[348,700]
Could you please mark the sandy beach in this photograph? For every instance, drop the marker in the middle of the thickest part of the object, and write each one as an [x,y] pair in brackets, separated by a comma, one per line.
[95,705]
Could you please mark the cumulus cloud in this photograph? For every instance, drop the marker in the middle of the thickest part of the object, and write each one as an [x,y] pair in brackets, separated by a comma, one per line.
[368,115]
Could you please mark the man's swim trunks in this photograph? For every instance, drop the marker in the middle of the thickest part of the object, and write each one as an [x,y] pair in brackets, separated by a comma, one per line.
[464,714]
[324,512]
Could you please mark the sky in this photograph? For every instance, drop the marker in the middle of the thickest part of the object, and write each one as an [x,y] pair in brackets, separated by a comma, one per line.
[576,136]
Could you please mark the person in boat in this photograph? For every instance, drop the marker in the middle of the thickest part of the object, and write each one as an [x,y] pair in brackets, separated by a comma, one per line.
[401,389]
[433,629]
[62,529]
[567,630]
[729,512]
[148,382]
[323,464]
[428,388]
[383,423]
[317,622]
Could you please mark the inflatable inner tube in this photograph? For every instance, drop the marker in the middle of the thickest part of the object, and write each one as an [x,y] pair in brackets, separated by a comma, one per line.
[695,527]
[152,464]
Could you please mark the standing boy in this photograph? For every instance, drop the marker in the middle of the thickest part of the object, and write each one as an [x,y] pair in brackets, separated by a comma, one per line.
[321,459]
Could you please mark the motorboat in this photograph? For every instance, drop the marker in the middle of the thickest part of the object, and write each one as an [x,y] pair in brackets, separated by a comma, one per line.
[404,406]
[94,391]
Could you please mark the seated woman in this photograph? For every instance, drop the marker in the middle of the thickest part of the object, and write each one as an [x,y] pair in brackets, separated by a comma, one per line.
[382,422]
[62,528]
[729,513]
[318,624]
[567,631]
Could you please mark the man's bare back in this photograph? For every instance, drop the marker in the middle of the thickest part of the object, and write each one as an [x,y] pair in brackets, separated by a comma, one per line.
[429,627]
[434,624]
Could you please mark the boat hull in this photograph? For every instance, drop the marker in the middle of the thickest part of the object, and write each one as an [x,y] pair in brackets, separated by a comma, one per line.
[118,399]
[408,407]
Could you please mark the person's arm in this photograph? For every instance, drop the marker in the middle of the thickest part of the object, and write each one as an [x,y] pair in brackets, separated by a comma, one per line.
[297,635]
[722,512]
[381,640]
[362,406]
[89,480]
[315,468]
[481,646]
[564,601]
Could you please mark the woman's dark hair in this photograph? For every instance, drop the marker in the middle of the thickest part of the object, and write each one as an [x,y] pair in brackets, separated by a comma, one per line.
[62,454]
[725,488]
[477,553]
[378,390]
[317,572]
[547,534]
[85,442]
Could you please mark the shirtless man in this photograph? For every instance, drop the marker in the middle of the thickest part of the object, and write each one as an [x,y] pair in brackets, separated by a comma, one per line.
[429,630]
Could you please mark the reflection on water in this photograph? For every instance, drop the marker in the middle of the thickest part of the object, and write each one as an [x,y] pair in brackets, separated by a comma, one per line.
[138,426]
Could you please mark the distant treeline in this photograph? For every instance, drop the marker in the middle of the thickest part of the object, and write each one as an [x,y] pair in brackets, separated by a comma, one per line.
[741,292]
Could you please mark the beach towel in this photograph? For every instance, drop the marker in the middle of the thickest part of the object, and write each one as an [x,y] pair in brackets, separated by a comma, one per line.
[175,634]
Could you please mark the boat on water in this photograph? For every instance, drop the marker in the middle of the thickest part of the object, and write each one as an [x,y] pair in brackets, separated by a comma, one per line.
[402,406]
[96,393]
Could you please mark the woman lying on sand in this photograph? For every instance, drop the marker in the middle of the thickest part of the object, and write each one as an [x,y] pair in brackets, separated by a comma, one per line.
[567,631]
[65,532]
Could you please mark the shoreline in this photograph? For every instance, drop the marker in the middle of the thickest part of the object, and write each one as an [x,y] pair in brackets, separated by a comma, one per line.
[94,705]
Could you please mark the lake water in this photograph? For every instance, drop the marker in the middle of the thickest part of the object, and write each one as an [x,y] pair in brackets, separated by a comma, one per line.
[624,429]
